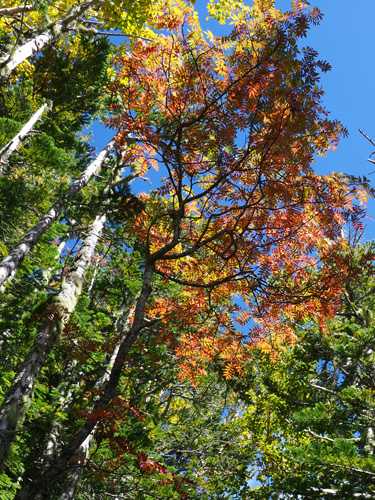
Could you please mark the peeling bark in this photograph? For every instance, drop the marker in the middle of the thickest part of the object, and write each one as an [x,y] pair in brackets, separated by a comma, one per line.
[11,262]
[17,399]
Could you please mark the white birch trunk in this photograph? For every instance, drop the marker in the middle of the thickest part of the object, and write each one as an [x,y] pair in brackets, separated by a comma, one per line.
[52,32]
[10,263]
[18,396]
[20,54]
[73,479]
[14,144]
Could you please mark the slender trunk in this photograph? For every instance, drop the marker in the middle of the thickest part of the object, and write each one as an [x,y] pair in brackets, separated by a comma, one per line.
[28,491]
[14,144]
[47,273]
[52,32]
[18,396]
[20,54]
[27,243]
[73,479]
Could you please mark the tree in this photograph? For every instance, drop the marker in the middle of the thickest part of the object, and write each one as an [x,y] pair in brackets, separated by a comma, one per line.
[12,145]
[234,123]
[310,413]
[38,25]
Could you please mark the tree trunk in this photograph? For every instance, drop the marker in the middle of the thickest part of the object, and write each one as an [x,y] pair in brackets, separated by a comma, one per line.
[52,32]
[27,50]
[29,491]
[10,263]
[12,145]
[17,399]
[73,480]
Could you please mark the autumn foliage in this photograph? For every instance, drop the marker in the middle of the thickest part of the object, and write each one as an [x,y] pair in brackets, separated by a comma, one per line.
[234,123]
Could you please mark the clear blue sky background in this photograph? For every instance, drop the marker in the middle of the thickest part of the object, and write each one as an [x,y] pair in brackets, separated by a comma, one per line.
[346,39]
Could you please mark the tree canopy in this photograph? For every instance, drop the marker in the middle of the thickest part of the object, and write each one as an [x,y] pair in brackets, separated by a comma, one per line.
[215,330]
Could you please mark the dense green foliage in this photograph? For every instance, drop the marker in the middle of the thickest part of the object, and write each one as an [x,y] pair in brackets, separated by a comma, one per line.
[311,411]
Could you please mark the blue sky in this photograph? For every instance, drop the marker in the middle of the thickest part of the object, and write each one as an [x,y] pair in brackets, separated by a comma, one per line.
[346,39]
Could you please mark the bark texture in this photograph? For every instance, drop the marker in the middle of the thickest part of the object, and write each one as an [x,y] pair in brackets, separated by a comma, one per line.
[17,140]
[14,11]
[11,262]
[18,397]
[29,491]
[73,480]
[47,34]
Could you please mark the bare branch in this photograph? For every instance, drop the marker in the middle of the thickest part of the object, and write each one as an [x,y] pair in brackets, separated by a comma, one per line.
[14,11]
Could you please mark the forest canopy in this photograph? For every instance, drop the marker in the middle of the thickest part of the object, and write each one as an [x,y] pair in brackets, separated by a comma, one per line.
[207,338]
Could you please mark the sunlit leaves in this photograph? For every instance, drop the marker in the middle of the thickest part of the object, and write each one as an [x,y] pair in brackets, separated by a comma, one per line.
[235,123]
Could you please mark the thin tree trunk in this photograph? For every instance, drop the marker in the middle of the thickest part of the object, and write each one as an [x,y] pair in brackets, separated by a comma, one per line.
[73,480]
[20,54]
[14,144]
[18,396]
[52,32]
[29,491]
[14,258]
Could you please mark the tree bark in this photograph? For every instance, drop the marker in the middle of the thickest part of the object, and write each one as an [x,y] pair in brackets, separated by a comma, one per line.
[49,33]
[28,491]
[18,397]
[73,480]
[14,11]
[14,144]
[10,263]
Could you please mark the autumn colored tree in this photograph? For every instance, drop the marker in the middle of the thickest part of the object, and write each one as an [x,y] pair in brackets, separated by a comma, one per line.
[240,241]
